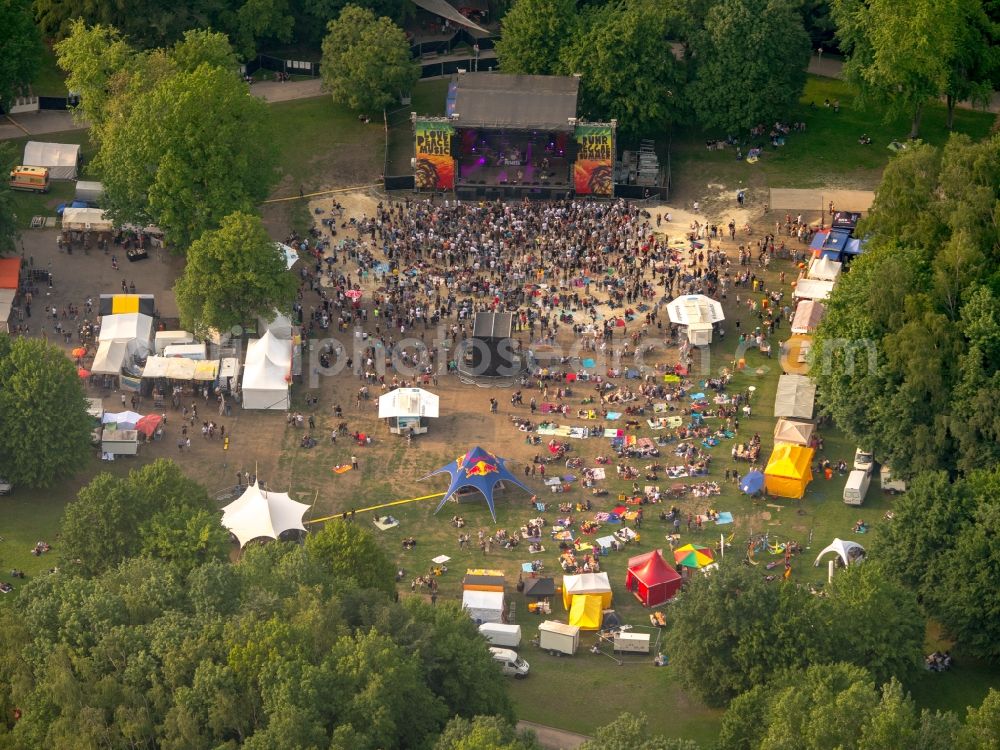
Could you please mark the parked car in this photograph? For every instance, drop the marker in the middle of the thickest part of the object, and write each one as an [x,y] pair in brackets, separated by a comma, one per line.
[510,663]
[5,487]
[863,460]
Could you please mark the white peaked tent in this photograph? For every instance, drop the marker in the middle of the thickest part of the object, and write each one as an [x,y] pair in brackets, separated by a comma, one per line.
[808,314]
[813,289]
[281,326]
[62,159]
[128,327]
[484,606]
[847,551]
[790,431]
[698,313]
[795,397]
[266,372]
[824,269]
[259,513]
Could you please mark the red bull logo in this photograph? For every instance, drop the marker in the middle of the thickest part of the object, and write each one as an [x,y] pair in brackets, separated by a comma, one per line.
[480,469]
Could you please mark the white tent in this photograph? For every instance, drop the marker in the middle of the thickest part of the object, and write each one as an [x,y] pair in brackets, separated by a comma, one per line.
[259,513]
[808,314]
[62,159]
[813,289]
[128,327]
[266,372]
[824,269]
[6,303]
[483,606]
[795,397]
[126,420]
[698,313]
[86,220]
[290,253]
[408,402]
[791,431]
[280,327]
[109,358]
[847,551]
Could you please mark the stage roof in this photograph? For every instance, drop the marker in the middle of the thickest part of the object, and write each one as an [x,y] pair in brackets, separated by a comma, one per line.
[495,100]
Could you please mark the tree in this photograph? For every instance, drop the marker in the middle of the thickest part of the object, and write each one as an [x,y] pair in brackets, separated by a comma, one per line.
[20,48]
[347,551]
[628,70]
[982,726]
[44,425]
[975,63]
[233,275]
[534,35]
[97,61]
[630,732]
[903,54]
[155,511]
[190,151]
[483,733]
[9,231]
[366,61]
[907,351]
[202,46]
[749,63]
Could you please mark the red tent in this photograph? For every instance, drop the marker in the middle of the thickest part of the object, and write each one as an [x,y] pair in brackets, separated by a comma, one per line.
[652,579]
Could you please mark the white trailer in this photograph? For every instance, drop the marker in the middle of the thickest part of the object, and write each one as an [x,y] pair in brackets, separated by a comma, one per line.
[499,634]
[558,638]
[120,442]
[637,643]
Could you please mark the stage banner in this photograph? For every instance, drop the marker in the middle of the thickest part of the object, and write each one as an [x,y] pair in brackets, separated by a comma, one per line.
[435,169]
[593,172]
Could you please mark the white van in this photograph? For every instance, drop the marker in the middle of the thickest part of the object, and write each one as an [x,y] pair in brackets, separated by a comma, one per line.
[510,663]
[863,460]
[856,487]
[892,485]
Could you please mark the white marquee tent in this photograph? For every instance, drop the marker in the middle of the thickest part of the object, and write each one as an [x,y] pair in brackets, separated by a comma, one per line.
[824,269]
[408,402]
[86,220]
[813,289]
[808,314]
[266,373]
[483,606]
[791,431]
[122,336]
[847,551]
[281,326]
[62,159]
[259,513]
[795,397]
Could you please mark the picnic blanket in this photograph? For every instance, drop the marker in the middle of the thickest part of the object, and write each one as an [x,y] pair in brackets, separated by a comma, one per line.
[547,408]
[589,363]
[601,517]
[342,469]
[646,444]
[619,510]
[610,433]
[659,408]
[614,415]
[605,542]
[382,524]
[580,433]
[724,518]
[599,473]
[565,535]
[553,481]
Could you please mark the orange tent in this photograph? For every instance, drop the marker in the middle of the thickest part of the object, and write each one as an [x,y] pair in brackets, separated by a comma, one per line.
[10,273]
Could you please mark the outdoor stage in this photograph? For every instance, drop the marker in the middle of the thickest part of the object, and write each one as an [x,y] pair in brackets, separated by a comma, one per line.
[510,136]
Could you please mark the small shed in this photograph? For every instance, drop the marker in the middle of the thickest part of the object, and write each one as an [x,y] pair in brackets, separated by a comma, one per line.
[120,442]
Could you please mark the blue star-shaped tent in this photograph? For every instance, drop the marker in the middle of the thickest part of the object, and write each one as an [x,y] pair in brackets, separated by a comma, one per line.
[480,470]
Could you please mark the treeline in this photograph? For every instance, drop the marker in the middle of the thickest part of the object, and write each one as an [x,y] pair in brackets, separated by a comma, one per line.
[249,24]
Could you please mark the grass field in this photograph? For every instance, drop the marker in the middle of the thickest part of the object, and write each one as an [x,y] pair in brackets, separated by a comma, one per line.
[826,154]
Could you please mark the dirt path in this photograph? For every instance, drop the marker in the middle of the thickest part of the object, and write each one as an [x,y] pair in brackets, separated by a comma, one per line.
[552,738]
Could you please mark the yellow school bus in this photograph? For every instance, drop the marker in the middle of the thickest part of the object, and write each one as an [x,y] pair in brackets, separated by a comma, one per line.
[34,179]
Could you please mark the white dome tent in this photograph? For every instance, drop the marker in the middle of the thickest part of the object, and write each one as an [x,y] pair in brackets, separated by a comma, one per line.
[699,313]
[848,551]
[259,513]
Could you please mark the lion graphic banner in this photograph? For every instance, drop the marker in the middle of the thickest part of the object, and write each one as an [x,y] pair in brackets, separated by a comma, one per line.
[435,167]
[593,172]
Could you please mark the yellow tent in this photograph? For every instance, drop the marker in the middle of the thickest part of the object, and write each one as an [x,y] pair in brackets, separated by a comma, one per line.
[788,471]
[586,612]
[586,583]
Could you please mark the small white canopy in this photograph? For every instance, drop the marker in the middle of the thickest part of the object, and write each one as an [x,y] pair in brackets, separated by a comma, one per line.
[259,513]
[6,303]
[86,220]
[62,159]
[280,326]
[824,269]
[290,253]
[795,397]
[121,418]
[813,289]
[808,314]
[791,431]
[695,309]
[586,583]
[408,402]
[847,551]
